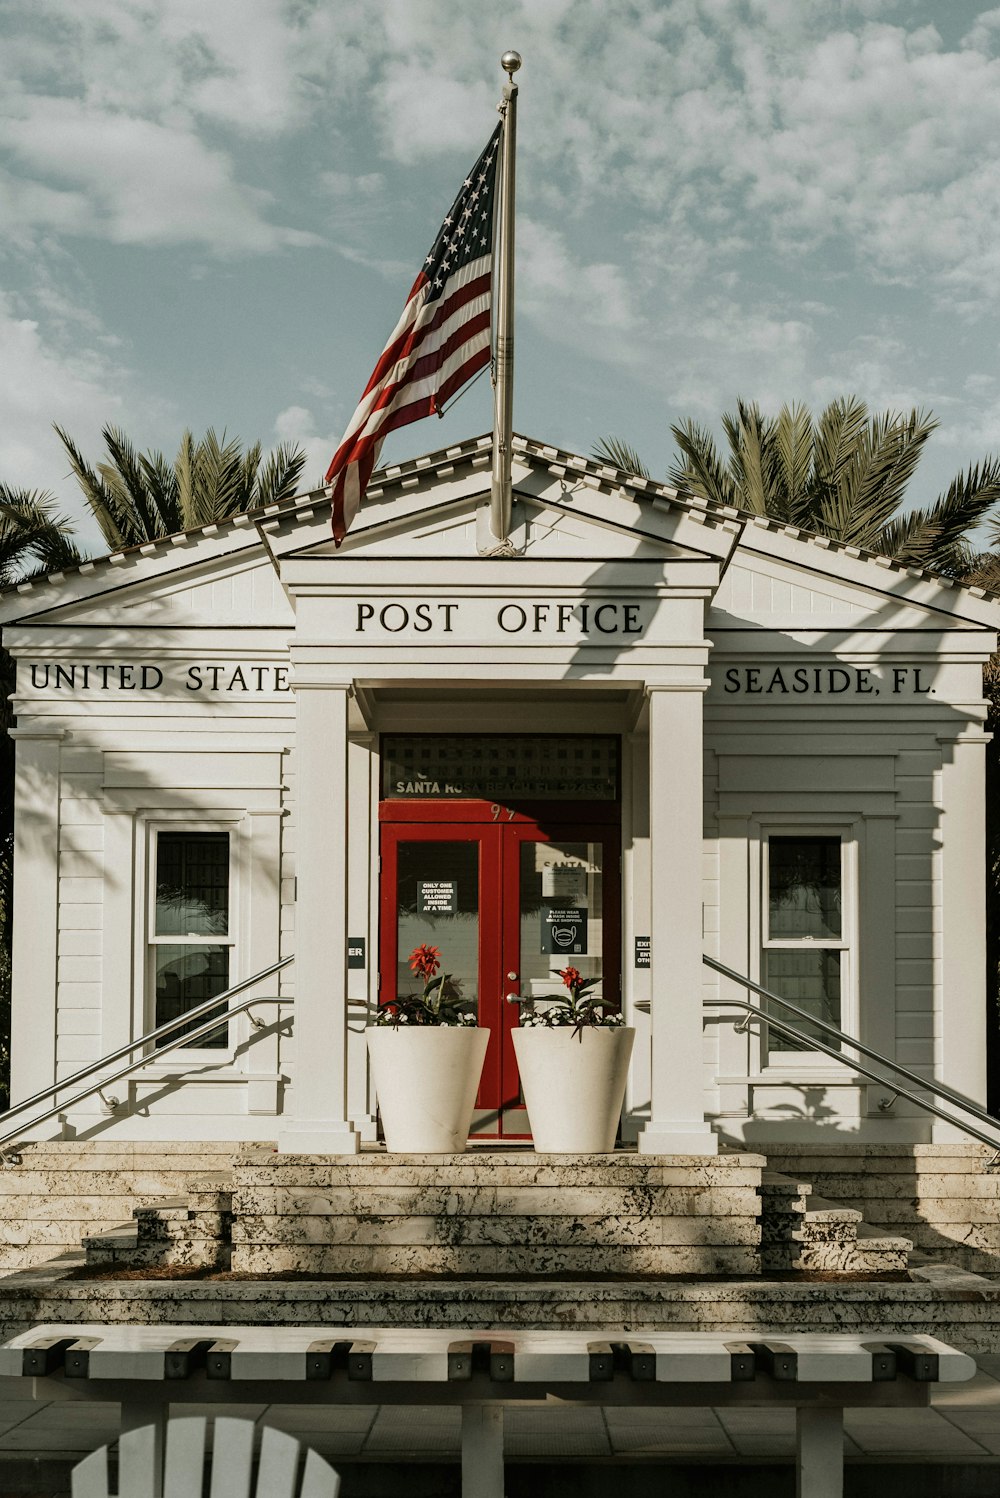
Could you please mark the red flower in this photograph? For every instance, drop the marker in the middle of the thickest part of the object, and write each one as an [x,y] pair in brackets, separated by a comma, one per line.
[425,961]
[571,977]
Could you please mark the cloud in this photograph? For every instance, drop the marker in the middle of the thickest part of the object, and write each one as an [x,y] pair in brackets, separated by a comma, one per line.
[79,385]
[297,424]
[131,181]
[571,296]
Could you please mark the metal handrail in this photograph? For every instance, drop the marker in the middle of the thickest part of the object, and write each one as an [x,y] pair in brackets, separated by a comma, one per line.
[151,1037]
[938,1089]
[188,1038]
[167,1028]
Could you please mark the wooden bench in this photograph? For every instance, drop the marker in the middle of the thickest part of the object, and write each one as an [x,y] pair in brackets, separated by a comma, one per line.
[148,1368]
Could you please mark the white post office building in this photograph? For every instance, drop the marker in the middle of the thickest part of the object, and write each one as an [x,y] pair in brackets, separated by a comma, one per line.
[661,730]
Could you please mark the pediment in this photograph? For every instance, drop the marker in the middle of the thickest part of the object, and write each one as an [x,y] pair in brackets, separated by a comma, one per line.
[567,509]
[557,516]
[799,587]
[232,590]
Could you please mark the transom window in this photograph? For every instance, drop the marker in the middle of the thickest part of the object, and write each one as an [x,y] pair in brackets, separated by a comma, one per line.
[191,938]
[805,948]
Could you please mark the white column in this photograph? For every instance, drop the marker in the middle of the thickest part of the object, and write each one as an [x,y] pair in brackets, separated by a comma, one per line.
[35,922]
[320,1122]
[819,1453]
[677,1111]
[961,1055]
[263,907]
[482,1451]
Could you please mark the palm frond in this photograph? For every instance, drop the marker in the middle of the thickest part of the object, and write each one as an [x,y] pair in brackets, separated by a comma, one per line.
[702,472]
[278,480]
[126,478]
[34,537]
[837,432]
[937,537]
[794,445]
[751,461]
[981,570]
[871,484]
[184,473]
[619,454]
[116,521]
[162,486]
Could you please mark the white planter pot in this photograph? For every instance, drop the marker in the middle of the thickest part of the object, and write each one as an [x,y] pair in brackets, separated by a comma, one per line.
[426,1079]
[573,1086]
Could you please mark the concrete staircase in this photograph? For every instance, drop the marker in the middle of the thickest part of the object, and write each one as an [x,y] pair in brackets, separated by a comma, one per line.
[500,1213]
[944,1198]
[64,1190]
[182,1232]
[802,1231]
[505,1213]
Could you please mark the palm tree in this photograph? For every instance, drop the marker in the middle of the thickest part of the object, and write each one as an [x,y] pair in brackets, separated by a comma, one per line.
[843,476]
[34,537]
[137,497]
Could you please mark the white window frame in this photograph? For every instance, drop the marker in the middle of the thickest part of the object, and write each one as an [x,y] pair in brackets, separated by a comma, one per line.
[231,825]
[771,1061]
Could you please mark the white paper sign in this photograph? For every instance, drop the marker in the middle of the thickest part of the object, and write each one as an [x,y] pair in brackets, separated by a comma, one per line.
[564,881]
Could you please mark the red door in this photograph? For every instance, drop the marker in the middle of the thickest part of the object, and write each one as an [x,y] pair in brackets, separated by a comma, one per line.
[509,896]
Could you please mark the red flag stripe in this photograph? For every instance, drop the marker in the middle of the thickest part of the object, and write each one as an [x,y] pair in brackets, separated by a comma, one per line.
[421,399]
[456,310]
[421,376]
[423,317]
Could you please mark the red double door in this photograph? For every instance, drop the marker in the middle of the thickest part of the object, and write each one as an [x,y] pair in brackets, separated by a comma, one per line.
[509,895]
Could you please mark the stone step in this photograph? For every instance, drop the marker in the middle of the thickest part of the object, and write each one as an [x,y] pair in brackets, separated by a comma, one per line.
[65,1189]
[188,1231]
[486,1201]
[442,1260]
[496,1168]
[804,1231]
[60,1181]
[496,1212]
[566,1231]
[967,1316]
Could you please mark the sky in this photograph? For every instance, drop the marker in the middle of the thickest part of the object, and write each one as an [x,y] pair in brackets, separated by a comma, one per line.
[211,212]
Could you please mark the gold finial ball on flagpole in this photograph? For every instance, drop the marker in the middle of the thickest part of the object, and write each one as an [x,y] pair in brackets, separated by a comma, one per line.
[510,62]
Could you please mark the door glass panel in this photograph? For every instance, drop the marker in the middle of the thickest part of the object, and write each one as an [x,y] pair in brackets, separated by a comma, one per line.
[438,904]
[562,909]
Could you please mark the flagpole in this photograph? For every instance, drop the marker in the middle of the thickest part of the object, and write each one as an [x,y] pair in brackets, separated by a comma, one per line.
[501,500]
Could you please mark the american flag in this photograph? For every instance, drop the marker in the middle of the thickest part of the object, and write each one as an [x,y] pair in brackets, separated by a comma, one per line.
[440,342]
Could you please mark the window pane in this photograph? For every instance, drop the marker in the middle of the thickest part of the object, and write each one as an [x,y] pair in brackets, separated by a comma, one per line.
[803,887]
[809,978]
[186,976]
[192,884]
[438,904]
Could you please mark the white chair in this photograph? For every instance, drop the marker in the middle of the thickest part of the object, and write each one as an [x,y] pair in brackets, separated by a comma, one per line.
[147,1471]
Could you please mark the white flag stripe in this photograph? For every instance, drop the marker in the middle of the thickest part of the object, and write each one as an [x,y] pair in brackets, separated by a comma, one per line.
[419,312]
[409,393]
[426,386]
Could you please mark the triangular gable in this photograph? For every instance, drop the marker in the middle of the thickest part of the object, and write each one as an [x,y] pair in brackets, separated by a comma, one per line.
[563,510]
[781,579]
[568,507]
[218,587]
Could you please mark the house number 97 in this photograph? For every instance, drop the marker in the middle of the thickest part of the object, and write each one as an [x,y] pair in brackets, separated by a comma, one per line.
[496,809]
